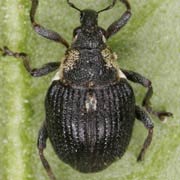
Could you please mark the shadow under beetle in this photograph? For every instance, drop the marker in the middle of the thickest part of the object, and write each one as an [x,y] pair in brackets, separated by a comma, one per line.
[90,106]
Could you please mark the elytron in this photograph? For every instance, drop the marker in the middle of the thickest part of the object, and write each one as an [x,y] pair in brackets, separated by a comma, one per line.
[90,106]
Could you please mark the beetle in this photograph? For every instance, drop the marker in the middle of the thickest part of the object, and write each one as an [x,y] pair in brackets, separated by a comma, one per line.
[90,105]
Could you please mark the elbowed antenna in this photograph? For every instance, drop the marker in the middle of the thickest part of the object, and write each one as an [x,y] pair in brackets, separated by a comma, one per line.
[73,6]
[108,7]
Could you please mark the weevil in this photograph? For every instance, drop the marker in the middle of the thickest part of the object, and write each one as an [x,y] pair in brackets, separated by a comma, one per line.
[90,105]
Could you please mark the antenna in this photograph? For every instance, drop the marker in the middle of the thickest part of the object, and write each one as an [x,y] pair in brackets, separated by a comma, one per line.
[73,6]
[108,7]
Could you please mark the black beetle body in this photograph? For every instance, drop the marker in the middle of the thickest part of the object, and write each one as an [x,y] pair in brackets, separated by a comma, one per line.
[90,109]
[90,128]
[90,106]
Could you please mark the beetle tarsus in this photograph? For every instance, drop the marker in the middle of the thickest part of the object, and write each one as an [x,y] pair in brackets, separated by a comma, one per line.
[42,138]
[44,70]
[146,144]
[161,115]
[138,78]
[144,118]
[6,52]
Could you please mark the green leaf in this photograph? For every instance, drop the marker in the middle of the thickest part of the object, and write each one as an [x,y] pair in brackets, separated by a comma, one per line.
[149,44]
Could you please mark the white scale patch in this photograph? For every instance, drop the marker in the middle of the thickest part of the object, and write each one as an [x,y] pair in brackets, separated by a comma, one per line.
[121,74]
[56,77]
[73,55]
[91,103]
[67,63]
[111,61]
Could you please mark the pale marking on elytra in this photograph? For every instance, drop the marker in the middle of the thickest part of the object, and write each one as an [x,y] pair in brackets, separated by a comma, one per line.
[91,103]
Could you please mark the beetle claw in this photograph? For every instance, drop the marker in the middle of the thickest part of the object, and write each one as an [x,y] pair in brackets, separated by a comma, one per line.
[164,115]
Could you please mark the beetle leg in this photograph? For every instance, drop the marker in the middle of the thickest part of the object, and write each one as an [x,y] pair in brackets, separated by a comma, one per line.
[146,103]
[45,69]
[138,78]
[49,34]
[117,25]
[41,144]
[144,118]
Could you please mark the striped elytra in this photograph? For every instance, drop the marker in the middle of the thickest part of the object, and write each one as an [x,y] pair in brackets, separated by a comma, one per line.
[90,128]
